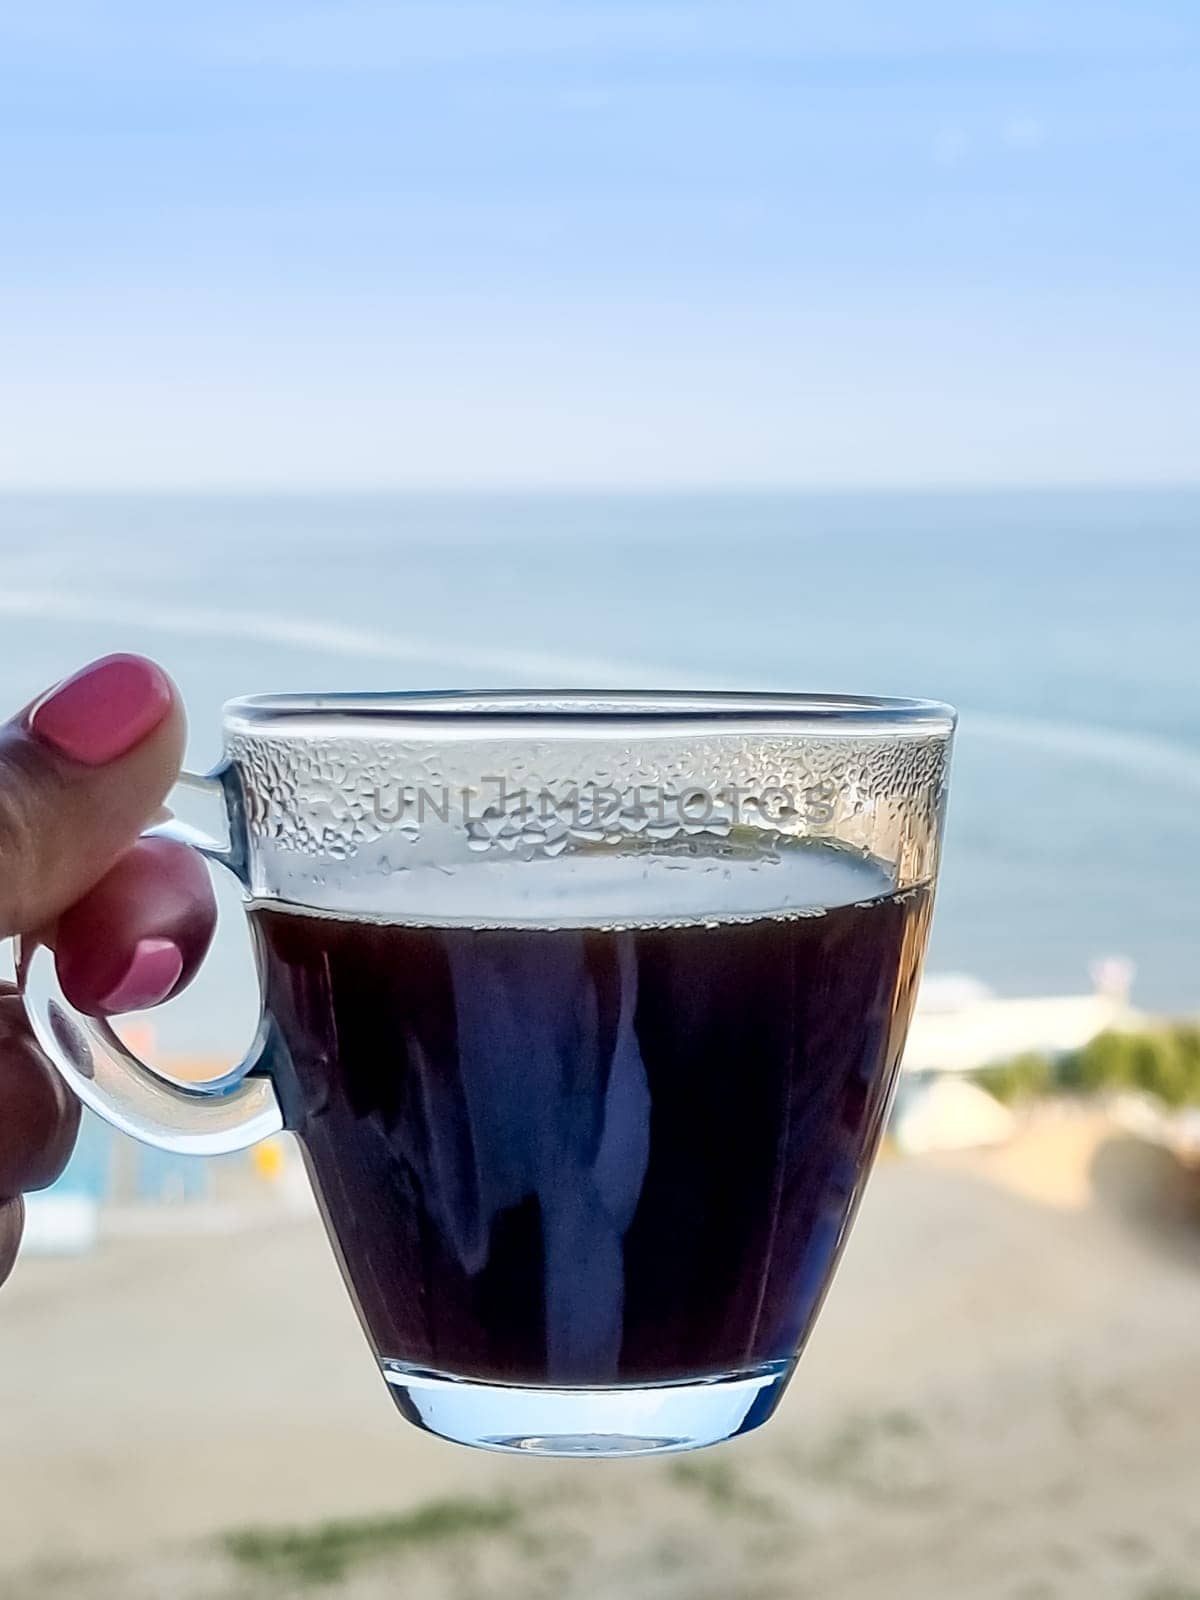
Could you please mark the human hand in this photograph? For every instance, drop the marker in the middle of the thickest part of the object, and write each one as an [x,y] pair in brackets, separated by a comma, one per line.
[82,771]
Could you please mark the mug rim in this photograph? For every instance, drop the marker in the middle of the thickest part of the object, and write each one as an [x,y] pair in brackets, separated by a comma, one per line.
[593,707]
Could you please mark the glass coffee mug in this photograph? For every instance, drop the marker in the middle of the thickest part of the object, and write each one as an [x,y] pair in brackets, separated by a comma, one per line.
[586,1010]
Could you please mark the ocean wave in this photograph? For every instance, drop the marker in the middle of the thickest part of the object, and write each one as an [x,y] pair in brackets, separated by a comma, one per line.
[1146,755]
[312,633]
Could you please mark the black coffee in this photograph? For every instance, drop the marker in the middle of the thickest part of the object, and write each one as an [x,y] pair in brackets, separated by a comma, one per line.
[584,1155]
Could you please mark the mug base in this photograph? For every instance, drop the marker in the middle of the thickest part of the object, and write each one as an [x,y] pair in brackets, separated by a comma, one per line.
[623,1420]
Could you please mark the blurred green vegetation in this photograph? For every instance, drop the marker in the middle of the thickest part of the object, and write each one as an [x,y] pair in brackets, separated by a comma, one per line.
[1163,1061]
[1019,1079]
[323,1553]
[718,1482]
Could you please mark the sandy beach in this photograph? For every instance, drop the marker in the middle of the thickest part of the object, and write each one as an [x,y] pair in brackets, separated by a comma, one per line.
[1002,1399]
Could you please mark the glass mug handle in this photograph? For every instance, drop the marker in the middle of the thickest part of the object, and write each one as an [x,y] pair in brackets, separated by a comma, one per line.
[213,1118]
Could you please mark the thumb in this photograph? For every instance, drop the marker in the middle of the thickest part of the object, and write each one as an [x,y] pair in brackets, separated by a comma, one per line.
[82,771]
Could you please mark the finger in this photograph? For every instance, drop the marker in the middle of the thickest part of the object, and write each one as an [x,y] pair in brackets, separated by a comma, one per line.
[138,937]
[81,771]
[41,1116]
[12,1217]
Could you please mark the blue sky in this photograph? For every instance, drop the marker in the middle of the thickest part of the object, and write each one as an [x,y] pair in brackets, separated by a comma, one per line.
[485,242]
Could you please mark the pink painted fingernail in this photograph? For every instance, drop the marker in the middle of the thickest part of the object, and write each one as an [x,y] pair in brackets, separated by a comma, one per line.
[104,711]
[150,976]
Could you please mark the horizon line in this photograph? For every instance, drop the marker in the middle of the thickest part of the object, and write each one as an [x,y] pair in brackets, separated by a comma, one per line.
[366,490]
